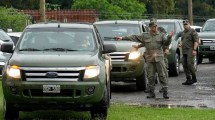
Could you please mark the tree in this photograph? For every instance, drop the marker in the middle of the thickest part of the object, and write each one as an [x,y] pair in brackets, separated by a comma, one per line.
[11,18]
[159,6]
[133,7]
[110,9]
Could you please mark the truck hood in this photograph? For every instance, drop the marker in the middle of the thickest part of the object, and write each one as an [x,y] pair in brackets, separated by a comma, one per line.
[122,46]
[53,59]
[207,35]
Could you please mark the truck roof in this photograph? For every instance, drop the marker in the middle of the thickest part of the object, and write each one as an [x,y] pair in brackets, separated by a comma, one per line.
[61,25]
[166,20]
[119,22]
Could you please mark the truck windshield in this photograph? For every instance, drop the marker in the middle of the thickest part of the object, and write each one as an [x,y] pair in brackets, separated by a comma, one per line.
[57,40]
[113,30]
[168,26]
[209,26]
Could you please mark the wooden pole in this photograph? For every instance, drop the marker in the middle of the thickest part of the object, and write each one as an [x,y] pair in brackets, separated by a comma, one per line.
[190,11]
[42,11]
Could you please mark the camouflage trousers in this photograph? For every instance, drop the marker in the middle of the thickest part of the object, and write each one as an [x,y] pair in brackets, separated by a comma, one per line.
[161,70]
[188,65]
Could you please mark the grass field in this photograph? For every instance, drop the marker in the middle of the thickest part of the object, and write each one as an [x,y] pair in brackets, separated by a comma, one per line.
[121,112]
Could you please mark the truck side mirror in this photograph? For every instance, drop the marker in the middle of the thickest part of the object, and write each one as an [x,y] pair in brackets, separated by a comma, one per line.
[108,48]
[198,29]
[179,34]
[7,47]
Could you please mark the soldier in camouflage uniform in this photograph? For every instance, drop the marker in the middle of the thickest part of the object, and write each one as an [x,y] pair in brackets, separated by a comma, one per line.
[154,42]
[189,46]
[166,53]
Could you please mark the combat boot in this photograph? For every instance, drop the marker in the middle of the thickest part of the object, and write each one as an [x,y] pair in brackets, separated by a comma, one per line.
[189,81]
[165,95]
[151,94]
[194,79]
[161,90]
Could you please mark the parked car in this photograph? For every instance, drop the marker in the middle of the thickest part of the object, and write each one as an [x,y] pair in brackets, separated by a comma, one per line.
[14,36]
[4,56]
[175,57]
[197,28]
[53,68]
[207,43]
[128,65]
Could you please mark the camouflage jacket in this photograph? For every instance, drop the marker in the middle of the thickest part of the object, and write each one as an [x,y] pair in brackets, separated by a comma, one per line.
[188,38]
[154,44]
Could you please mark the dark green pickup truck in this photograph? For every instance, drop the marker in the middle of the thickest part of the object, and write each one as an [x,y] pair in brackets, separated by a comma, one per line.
[57,66]
[207,43]
[128,65]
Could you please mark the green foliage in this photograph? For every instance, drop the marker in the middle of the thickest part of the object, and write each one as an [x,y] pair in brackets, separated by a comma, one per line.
[161,6]
[110,9]
[135,8]
[203,9]
[11,18]
[20,4]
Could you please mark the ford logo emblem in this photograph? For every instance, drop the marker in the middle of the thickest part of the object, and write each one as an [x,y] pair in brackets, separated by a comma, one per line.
[51,74]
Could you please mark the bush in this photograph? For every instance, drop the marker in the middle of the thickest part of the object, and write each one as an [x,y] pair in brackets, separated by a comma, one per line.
[11,18]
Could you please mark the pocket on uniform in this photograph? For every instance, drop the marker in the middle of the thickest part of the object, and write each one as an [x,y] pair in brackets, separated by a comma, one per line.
[147,43]
[159,41]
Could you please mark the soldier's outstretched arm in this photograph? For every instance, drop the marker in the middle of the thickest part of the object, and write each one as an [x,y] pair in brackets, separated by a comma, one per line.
[135,38]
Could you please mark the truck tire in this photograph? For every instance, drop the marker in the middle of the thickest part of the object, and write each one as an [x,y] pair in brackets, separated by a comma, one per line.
[175,67]
[99,111]
[10,113]
[200,58]
[211,59]
[141,82]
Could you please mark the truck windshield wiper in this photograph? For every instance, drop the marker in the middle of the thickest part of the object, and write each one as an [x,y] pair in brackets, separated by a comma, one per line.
[109,38]
[59,49]
[29,49]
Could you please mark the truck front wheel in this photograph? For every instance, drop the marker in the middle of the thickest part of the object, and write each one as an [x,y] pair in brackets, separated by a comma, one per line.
[99,111]
[10,113]
[141,82]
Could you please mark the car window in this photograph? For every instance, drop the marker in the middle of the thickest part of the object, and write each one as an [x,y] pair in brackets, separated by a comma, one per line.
[178,28]
[4,36]
[168,26]
[50,39]
[209,26]
[14,39]
[114,30]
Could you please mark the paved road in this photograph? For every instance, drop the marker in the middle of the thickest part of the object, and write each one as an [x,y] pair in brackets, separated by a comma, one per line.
[198,95]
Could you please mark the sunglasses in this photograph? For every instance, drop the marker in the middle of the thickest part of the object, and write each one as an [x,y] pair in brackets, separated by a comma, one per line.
[185,24]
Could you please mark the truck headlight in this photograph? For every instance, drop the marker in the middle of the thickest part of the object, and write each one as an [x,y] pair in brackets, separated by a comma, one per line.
[134,55]
[91,71]
[2,63]
[13,71]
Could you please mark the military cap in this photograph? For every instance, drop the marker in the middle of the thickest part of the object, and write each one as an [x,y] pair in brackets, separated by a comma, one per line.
[186,22]
[151,24]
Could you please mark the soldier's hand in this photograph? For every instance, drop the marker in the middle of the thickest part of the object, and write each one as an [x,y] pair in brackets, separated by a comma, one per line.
[118,38]
[194,53]
[167,52]
[135,46]
[171,33]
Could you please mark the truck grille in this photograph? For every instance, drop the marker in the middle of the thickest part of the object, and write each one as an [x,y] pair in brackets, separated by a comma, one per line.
[119,56]
[208,42]
[52,74]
